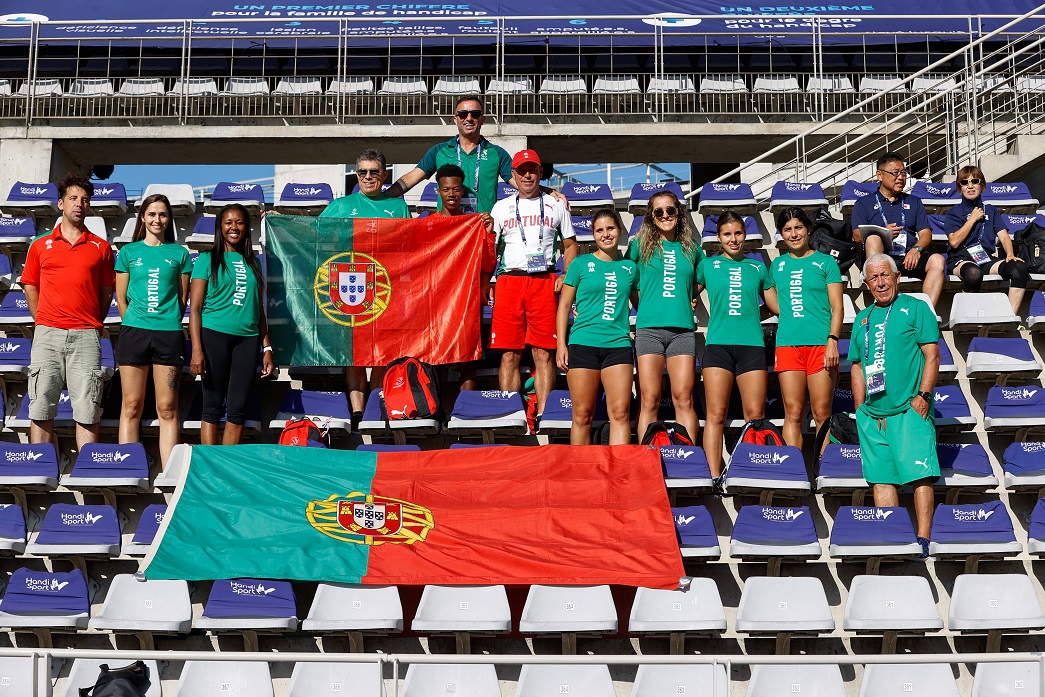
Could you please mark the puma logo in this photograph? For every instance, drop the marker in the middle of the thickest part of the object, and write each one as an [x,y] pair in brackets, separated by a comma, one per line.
[906,311]
[818,264]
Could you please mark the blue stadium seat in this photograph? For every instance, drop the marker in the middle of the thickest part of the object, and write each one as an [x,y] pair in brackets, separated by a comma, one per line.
[937,198]
[304,199]
[587,680]
[716,199]
[585,199]
[990,358]
[939,239]
[145,532]
[842,401]
[14,310]
[249,604]
[217,678]
[696,532]
[685,466]
[695,609]
[45,599]
[143,607]
[1023,463]
[891,605]
[250,196]
[801,194]
[12,528]
[914,679]
[73,530]
[109,466]
[774,411]
[853,190]
[964,468]
[328,409]
[1014,408]
[973,530]
[505,190]
[1007,197]
[374,424]
[29,466]
[765,469]
[709,233]
[841,470]
[17,231]
[1036,531]
[659,680]
[109,199]
[952,410]
[643,191]
[429,199]
[582,229]
[31,199]
[948,368]
[469,680]
[6,271]
[764,533]
[558,413]
[488,414]
[994,604]
[202,233]
[1036,312]
[862,532]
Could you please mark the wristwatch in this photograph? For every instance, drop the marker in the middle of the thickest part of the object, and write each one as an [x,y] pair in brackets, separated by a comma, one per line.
[918,247]
[927,396]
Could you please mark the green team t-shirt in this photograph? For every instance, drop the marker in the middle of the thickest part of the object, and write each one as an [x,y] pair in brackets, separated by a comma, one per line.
[359,205]
[231,305]
[912,323]
[603,288]
[733,289]
[494,162]
[665,285]
[153,284]
[805,309]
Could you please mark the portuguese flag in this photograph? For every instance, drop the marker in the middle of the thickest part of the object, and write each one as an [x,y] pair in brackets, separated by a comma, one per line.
[555,514]
[368,291]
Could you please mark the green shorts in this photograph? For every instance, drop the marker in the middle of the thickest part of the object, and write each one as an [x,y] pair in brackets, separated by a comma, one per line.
[897,449]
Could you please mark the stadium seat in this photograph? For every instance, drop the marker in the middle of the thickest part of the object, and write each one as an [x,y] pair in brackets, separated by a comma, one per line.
[808,195]
[141,87]
[488,414]
[194,88]
[84,673]
[937,198]
[696,532]
[429,199]
[891,605]
[299,86]
[42,599]
[17,232]
[643,191]
[818,680]
[29,466]
[14,310]
[34,200]
[1023,464]
[350,86]
[1014,408]
[246,605]
[462,611]
[246,87]
[107,466]
[972,531]
[995,604]
[224,679]
[723,93]
[586,199]
[685,466]
[890,85]
[12,528]
[374,424]
[355,609]
[617,93]
[144,607]
[1035,313]
[568,610]
[304,199]
[558,413]
[148,525]
[1006,679]
[250,196]
[1010,197]
[329,410]
[660,680]
[176,464]
[991,358]
[951,409]
[964,468]
[716,199]
[109,199]
[871,533]
[709,236]
[472,680]
[181,196]
[202,234]
[980,313]
[543,680]
[914,679]
[74,530]
[841,469]
[695,610]
[315,679]
[784,606]
[583,234]
[517,85]
[456,86]
[63,419]
[192,394]
[563,93]
[853,190]
[16,676]
[774,533]
[765,470]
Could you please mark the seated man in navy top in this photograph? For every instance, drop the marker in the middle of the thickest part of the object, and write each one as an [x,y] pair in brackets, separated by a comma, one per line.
[906,232]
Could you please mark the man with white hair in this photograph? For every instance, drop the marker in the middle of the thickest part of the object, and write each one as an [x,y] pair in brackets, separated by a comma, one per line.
[896,360]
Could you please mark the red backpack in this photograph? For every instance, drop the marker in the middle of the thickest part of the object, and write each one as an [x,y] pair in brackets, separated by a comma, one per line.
[659,433]
[303,432]
[761,432]
[410,390]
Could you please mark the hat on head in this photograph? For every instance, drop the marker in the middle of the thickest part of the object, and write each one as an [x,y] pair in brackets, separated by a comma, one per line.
[525,156]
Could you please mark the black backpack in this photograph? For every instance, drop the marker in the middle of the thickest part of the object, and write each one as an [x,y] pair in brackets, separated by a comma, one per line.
[834,238]
[840,428]
[1029,245]
[129,681]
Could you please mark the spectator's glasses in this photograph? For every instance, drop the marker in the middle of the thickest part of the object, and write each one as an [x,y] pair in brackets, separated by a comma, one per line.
[667,212]
[895,175]
[974,181]
[368,173]
[474,113]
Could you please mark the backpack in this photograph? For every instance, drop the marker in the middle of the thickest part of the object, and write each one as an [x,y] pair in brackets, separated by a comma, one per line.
[128,681]
[410,390]
[600,435]
[659,433]
[1029,245]
[303,432]
[760,432]
[833,237]
[840,428]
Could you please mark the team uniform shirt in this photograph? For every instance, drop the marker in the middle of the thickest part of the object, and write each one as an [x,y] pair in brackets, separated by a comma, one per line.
[733,289]
[905,210]
[540,235]
[231,305]
[603,288]
[984,232]
[911,324]
[665,285]
[69,278]
[805,309]
[153,284]
[359,205]
[480,182]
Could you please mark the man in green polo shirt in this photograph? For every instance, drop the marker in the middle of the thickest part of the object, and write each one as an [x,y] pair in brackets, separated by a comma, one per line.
[896,360]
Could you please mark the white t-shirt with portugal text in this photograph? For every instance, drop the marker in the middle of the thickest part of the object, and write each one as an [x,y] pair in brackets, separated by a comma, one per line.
[540,236]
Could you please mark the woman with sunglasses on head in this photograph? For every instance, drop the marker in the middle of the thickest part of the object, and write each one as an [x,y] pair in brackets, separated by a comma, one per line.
[599,348]
[228,326]
[809,292]
[735,348]
[152,285]
[667,257]
[977,238]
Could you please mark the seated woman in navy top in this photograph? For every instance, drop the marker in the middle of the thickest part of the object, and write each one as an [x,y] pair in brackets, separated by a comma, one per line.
[979,242]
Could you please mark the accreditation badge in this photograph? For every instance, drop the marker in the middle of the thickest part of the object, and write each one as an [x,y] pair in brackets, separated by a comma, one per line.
[536,263]
[900,243]
[874,376]
[470,204]
[979,255]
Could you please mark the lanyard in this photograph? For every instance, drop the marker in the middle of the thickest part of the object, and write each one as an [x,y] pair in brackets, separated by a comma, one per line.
[478,153]
[881,209]
[540,222]
[867,333]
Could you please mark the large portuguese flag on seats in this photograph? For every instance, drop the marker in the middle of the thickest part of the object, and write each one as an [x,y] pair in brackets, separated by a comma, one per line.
[554,514]
[368,291]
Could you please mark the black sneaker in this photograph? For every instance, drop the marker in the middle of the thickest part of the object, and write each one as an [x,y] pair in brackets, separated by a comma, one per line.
[357,416]
[925,547]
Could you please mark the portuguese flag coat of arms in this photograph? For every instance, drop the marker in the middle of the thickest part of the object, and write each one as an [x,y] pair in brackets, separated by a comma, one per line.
[368,291]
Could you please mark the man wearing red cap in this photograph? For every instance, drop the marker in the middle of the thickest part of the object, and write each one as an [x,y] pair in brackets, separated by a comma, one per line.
[526,226]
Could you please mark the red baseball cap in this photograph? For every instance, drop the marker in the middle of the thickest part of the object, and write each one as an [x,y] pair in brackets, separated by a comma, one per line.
[525,156]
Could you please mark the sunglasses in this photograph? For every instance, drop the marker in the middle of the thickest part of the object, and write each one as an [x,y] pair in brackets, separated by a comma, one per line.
[474,113]
[368,173]
[974,181]
[668,212]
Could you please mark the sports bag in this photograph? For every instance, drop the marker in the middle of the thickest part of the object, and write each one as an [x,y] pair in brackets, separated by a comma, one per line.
[761,432]
[128,681]
[833,237]
[410,390]
[303,432]
[1029,245]
[659,433]
[840,428]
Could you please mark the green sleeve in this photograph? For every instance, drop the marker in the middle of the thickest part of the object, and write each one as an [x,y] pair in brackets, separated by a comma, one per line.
[428,162]
[698,276]
[856,341]
[767,278]
[633,251]
[926,328]
[634,278]
[834,274]
[201,269]
[186,261]
[573,274]
[121,264]
[506,164]
[332,210]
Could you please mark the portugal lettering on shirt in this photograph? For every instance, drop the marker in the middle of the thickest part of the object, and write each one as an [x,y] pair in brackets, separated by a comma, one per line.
[670,271]
[609,300]
[736,284]
[528,221]
[153,292]
[797,308]
[239,268]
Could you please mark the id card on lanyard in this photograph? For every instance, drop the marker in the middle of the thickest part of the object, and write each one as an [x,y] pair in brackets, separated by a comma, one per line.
[899,247]
[470,204]
[536,262]
[874,373]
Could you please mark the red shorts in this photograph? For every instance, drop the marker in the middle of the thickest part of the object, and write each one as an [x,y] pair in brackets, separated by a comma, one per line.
[524,313]
[807,358]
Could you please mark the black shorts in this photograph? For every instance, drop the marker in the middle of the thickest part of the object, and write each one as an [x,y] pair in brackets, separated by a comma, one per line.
[958,256]
[597,357]
[736,359]
[918,271]
[150,347]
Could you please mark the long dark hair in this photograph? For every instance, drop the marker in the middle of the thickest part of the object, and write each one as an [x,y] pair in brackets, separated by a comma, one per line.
[649,235]
[217,252]
[139,226]
[795,213]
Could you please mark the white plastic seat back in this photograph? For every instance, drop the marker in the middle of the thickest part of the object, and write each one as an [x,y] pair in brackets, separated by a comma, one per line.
[224,679]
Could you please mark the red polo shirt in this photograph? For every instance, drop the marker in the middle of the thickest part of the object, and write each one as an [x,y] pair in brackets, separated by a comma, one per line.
[69,277]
